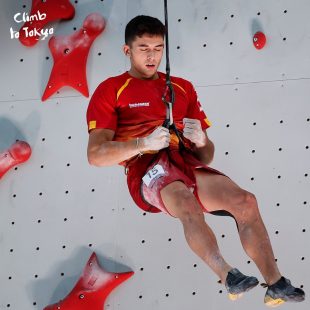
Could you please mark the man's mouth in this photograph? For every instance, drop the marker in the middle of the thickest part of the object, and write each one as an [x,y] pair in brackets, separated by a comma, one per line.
[150,66]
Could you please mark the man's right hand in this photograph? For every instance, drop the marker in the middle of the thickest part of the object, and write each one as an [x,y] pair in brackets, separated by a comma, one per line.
[157,140]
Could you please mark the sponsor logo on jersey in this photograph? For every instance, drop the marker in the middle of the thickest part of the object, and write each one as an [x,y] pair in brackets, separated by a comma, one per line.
[139,104]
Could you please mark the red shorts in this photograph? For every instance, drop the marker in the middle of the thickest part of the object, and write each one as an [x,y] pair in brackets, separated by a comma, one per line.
[150,173]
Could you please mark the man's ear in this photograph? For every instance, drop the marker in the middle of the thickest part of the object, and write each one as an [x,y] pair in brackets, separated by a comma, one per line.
[126,50]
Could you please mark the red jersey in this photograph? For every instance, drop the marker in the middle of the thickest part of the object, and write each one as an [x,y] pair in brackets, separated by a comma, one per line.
[134,108]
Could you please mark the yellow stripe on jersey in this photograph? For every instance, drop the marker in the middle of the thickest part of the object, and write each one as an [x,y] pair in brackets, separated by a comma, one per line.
[179,87]
[122,88]
[92,125]
[208,122]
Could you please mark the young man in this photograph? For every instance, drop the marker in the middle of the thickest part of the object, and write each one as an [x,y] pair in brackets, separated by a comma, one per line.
[125,118]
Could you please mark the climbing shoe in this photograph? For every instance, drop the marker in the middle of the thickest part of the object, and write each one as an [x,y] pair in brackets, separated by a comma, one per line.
[282,291]
[237,283]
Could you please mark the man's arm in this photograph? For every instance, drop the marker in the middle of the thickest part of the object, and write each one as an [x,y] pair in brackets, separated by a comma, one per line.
[203,146]
[205,150]
[102,151]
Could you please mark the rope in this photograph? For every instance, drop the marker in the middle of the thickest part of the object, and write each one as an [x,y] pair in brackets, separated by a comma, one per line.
[169,95]
[167,44]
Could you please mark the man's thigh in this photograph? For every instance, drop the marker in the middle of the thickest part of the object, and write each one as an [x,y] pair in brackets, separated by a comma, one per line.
[217,192]
[179,200]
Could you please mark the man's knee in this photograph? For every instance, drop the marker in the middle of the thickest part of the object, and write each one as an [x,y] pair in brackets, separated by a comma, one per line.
[181,202]
[248,208]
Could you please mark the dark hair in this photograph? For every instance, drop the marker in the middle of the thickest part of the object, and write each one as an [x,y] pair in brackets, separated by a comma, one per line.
[142,24]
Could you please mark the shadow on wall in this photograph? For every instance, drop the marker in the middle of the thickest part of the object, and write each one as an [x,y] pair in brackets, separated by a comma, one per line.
[256,26]
[9,133]
[27,130]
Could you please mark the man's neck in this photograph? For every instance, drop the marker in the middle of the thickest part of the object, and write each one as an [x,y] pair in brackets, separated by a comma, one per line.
[135,74]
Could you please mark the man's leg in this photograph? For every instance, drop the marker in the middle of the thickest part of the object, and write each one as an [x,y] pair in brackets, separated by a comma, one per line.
[182,204]
[217,192]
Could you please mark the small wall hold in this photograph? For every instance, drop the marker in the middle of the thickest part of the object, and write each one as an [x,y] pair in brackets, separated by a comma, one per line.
[259,40]
[18,153]
[92,288]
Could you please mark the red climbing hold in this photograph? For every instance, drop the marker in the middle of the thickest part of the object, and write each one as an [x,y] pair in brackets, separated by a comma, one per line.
[92,289]
[42,13]
[70,56]
[259,40]
[18,153]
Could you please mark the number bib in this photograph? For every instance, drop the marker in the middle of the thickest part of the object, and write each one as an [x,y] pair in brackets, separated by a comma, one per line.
[153,174]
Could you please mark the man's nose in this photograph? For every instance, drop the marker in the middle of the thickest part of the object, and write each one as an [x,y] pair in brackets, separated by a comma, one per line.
[151,55]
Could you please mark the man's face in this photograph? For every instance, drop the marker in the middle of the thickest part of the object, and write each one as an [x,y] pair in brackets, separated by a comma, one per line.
[145,55]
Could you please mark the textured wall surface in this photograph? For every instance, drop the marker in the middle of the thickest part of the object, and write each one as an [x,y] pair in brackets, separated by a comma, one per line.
[56,208]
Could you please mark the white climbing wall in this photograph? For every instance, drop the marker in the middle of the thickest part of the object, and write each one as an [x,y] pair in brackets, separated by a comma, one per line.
[55,210]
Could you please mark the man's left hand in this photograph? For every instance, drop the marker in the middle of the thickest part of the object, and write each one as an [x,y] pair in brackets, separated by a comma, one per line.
[193,132]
